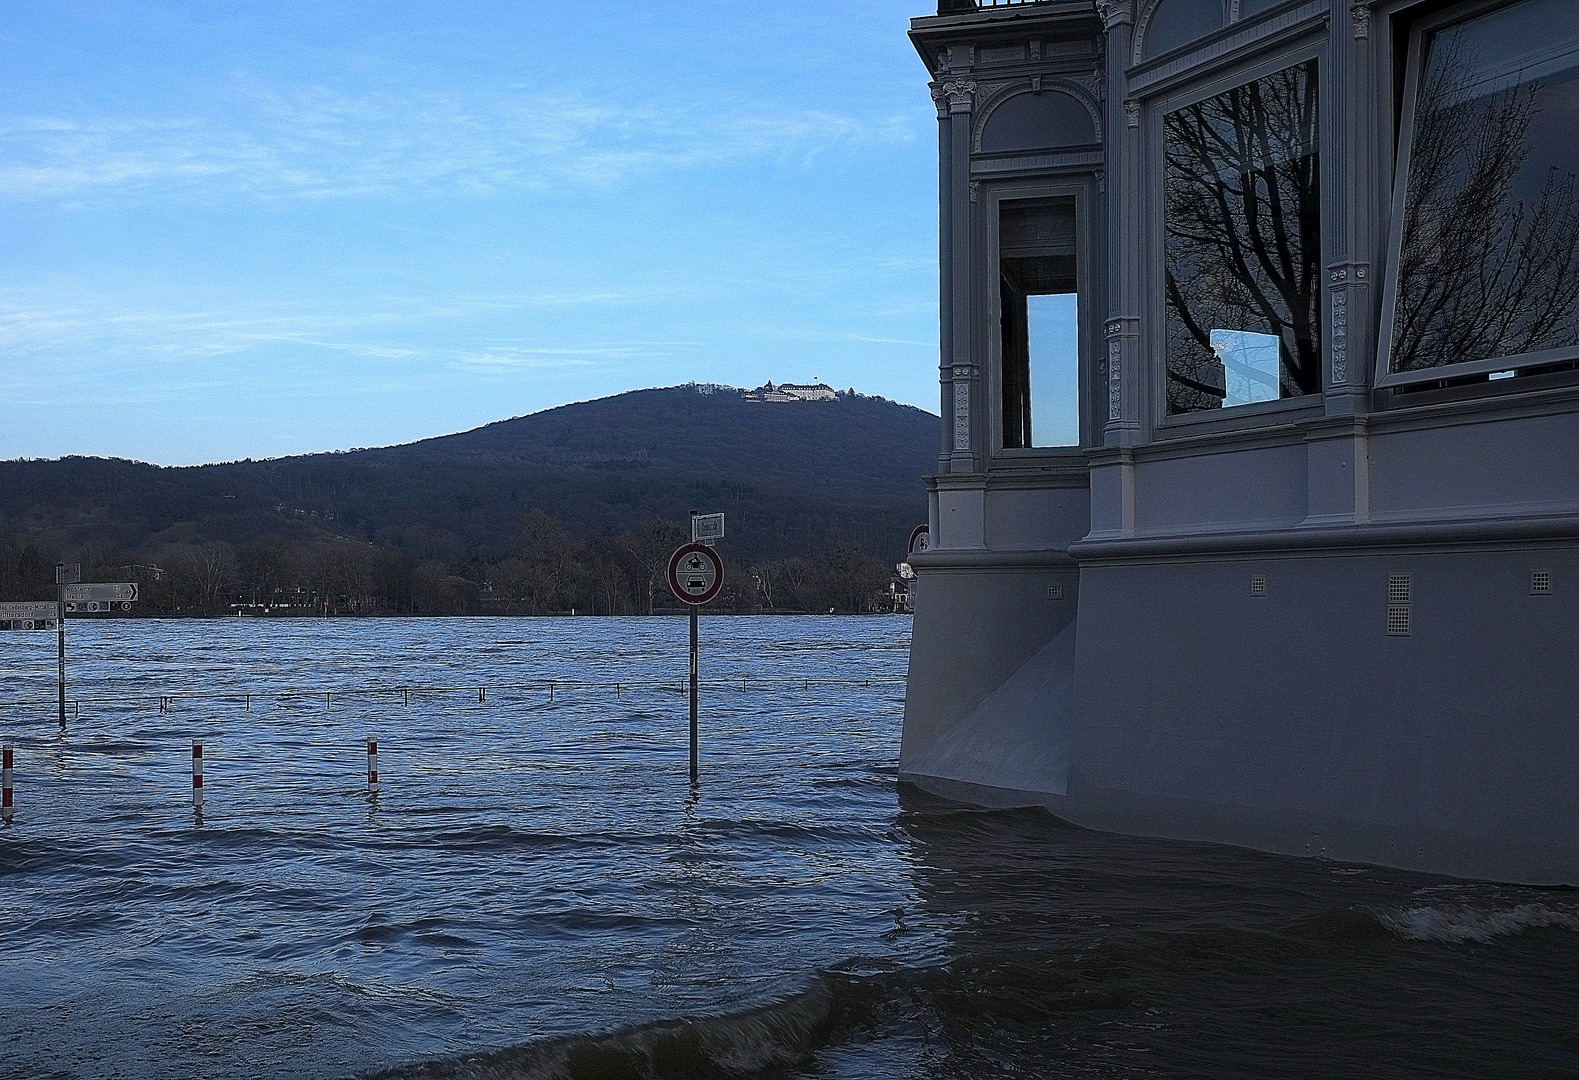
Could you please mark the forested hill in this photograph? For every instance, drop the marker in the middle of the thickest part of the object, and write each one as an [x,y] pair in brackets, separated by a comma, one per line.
[793,478]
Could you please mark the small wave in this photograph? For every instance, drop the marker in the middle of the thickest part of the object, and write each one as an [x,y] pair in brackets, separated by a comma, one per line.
[1459,923]
[783,1033]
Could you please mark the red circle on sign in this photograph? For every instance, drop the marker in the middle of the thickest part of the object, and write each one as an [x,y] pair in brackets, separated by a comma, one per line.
[686,595]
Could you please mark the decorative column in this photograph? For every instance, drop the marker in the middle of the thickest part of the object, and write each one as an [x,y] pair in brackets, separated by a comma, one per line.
[1126,413]
[1122,402]
[960,374]
[1338,447]
[1349,153]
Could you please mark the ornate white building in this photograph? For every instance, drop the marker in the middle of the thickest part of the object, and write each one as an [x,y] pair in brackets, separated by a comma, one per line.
[1256,518]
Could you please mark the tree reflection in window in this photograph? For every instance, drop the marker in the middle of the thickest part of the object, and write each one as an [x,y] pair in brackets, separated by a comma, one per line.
[1242,245]
[1488,265]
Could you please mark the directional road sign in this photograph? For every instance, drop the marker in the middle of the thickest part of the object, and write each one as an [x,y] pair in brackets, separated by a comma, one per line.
[696,573]
[101,590]
[29,624]
[82,607]
[33,609]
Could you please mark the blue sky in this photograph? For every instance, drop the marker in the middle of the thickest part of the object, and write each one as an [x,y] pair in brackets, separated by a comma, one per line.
[247,229]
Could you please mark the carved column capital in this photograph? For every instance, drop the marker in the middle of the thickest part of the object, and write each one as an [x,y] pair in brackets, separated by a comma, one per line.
[954,96]
[1113,12]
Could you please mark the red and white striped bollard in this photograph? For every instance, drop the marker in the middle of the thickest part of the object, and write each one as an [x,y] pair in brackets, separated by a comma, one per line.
[372,765]
[197,775]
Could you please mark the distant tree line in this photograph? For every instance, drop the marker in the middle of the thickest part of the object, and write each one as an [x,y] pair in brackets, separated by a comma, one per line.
[545,572]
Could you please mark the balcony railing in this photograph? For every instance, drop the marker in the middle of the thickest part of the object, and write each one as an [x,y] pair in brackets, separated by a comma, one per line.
[963,7]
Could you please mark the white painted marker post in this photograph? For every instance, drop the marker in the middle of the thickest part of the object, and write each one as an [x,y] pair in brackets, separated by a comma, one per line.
[197,774]
[372,766]
[6,810]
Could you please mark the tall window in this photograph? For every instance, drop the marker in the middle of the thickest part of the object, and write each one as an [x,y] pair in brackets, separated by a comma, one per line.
[1487,259]
[1039,297]
[1242,252]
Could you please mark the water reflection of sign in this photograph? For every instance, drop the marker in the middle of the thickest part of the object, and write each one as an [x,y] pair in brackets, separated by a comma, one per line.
[695,573]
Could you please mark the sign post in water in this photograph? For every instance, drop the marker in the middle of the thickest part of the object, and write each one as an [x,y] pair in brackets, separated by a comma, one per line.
[696,574]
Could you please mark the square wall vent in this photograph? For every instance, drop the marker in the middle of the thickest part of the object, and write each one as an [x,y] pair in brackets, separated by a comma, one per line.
[1397,622]
[1398,589]
[1258,586]
[1055,592]
[1540,582]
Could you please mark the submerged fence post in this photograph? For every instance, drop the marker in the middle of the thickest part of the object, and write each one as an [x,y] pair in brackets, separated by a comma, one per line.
[197,774]
[372,766]
[5,783]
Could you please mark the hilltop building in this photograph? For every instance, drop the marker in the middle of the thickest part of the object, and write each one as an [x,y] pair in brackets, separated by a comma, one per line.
[1256,517]
[792,392]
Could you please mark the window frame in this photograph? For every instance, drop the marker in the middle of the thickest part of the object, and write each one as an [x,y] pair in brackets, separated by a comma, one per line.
[1082,186]
[1385,378]
[1219,80]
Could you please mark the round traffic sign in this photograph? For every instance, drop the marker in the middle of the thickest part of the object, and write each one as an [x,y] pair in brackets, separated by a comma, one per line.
[696,573]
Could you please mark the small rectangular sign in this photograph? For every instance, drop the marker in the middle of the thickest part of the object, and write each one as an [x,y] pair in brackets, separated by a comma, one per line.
[32,609]
[68,573]
[82,607]
[707,527]
[29,624]
[102,590]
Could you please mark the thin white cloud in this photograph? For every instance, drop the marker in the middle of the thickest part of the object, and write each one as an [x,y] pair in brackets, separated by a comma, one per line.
[52,328]
[315,142]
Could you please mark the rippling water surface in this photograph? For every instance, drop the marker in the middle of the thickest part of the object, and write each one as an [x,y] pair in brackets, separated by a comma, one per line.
[537,891]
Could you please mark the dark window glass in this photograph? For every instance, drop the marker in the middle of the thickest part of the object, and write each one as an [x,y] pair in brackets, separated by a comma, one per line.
[1038,121]
[1178,22]
[1039,297]
[1488,264]
[1242,251]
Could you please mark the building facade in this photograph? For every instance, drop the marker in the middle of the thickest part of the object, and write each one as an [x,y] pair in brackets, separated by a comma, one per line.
[1256,518]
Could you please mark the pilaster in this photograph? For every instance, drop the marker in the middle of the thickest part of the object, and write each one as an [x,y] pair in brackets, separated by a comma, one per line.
[1351,99]
[959,370]
[1126,413]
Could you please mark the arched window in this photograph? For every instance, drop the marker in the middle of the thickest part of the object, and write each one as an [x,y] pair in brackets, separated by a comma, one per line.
[1172,23]
[1038,121]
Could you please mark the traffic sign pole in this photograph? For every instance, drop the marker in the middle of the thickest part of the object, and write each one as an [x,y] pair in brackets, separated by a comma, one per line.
[693,692]
[60,639]
[693,668]
[696,574]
